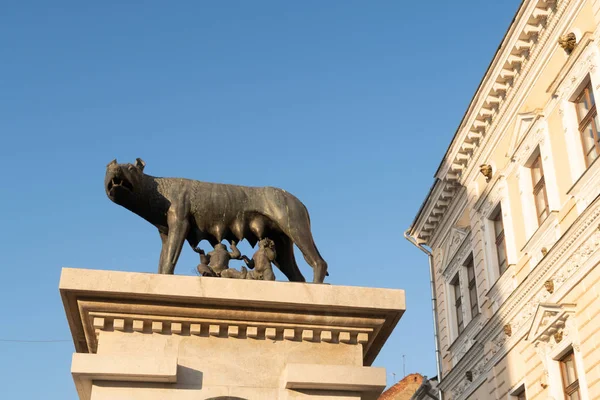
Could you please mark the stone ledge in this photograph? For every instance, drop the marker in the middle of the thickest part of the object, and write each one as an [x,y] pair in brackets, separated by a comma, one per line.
[334,377]
[87,368]
[179,288]
[97,301]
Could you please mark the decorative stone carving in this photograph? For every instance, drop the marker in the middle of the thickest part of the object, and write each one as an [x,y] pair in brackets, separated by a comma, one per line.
[549,285]
[586,63]
[558,336]
[471,379]
[458,259]
[578,257]
[486,170]
[467,339]
[566,270]
[525,122]
[531,141]
[507,330]
[457,236]
[549,319]
[541,348]
[552,325]
[568,42]
[488,203]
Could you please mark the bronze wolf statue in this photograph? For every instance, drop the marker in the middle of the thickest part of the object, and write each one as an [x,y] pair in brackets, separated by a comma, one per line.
[185,209]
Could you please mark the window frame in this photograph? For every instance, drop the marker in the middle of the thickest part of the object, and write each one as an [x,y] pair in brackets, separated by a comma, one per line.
[500,240]
[460,320]
[539,186]
[584,121]
[472,286]
[573,387]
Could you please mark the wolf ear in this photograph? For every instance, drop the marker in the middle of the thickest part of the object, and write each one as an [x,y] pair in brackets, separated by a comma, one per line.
[140,164]
[113,162]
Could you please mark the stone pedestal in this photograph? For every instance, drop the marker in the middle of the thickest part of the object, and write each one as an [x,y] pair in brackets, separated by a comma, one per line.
[150,336]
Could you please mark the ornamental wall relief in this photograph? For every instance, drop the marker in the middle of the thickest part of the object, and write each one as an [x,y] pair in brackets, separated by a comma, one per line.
[459,256]
[542,320]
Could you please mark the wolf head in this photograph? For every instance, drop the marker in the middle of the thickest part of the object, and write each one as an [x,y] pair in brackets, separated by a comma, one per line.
[123,180]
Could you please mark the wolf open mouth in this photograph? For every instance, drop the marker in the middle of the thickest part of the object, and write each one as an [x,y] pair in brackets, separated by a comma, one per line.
[119,182]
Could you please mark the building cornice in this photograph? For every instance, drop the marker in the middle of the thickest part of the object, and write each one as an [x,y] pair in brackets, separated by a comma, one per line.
[534,23]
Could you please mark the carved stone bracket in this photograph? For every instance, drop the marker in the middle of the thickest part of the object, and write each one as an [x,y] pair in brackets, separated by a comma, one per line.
[550,319]
[232,329]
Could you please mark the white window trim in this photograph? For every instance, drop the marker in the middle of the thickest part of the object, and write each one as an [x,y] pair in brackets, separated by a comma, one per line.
[467,294]
[537,138]
[451,311]
[551,351]
[463,282]
[584,68]
[527,200]
[585,181]
[499,197]
[453,268]
[546,236]
[555,375]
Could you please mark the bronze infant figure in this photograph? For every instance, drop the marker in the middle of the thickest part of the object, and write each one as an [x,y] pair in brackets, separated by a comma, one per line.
[260,264]
[215,262]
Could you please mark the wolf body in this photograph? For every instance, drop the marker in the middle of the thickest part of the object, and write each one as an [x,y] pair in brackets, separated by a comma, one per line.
[184,209]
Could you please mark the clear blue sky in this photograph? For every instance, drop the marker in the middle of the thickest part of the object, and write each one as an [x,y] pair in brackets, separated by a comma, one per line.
[348,105]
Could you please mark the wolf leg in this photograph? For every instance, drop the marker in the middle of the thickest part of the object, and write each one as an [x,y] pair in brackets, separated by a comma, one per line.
[312,256]
[163,252]
[179,226]
[284,260]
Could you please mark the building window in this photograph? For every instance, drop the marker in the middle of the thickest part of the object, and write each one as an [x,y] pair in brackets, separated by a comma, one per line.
[569,376]
[460,324]
[472,286]
[539,189]
[587,116]
[500,240]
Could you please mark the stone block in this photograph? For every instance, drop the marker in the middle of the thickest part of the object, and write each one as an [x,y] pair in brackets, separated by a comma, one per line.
[247,339]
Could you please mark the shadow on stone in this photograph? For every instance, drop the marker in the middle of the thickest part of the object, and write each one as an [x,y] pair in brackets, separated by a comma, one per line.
[189,377]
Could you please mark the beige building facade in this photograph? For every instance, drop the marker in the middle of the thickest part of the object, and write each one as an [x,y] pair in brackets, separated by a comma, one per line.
[512,222]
